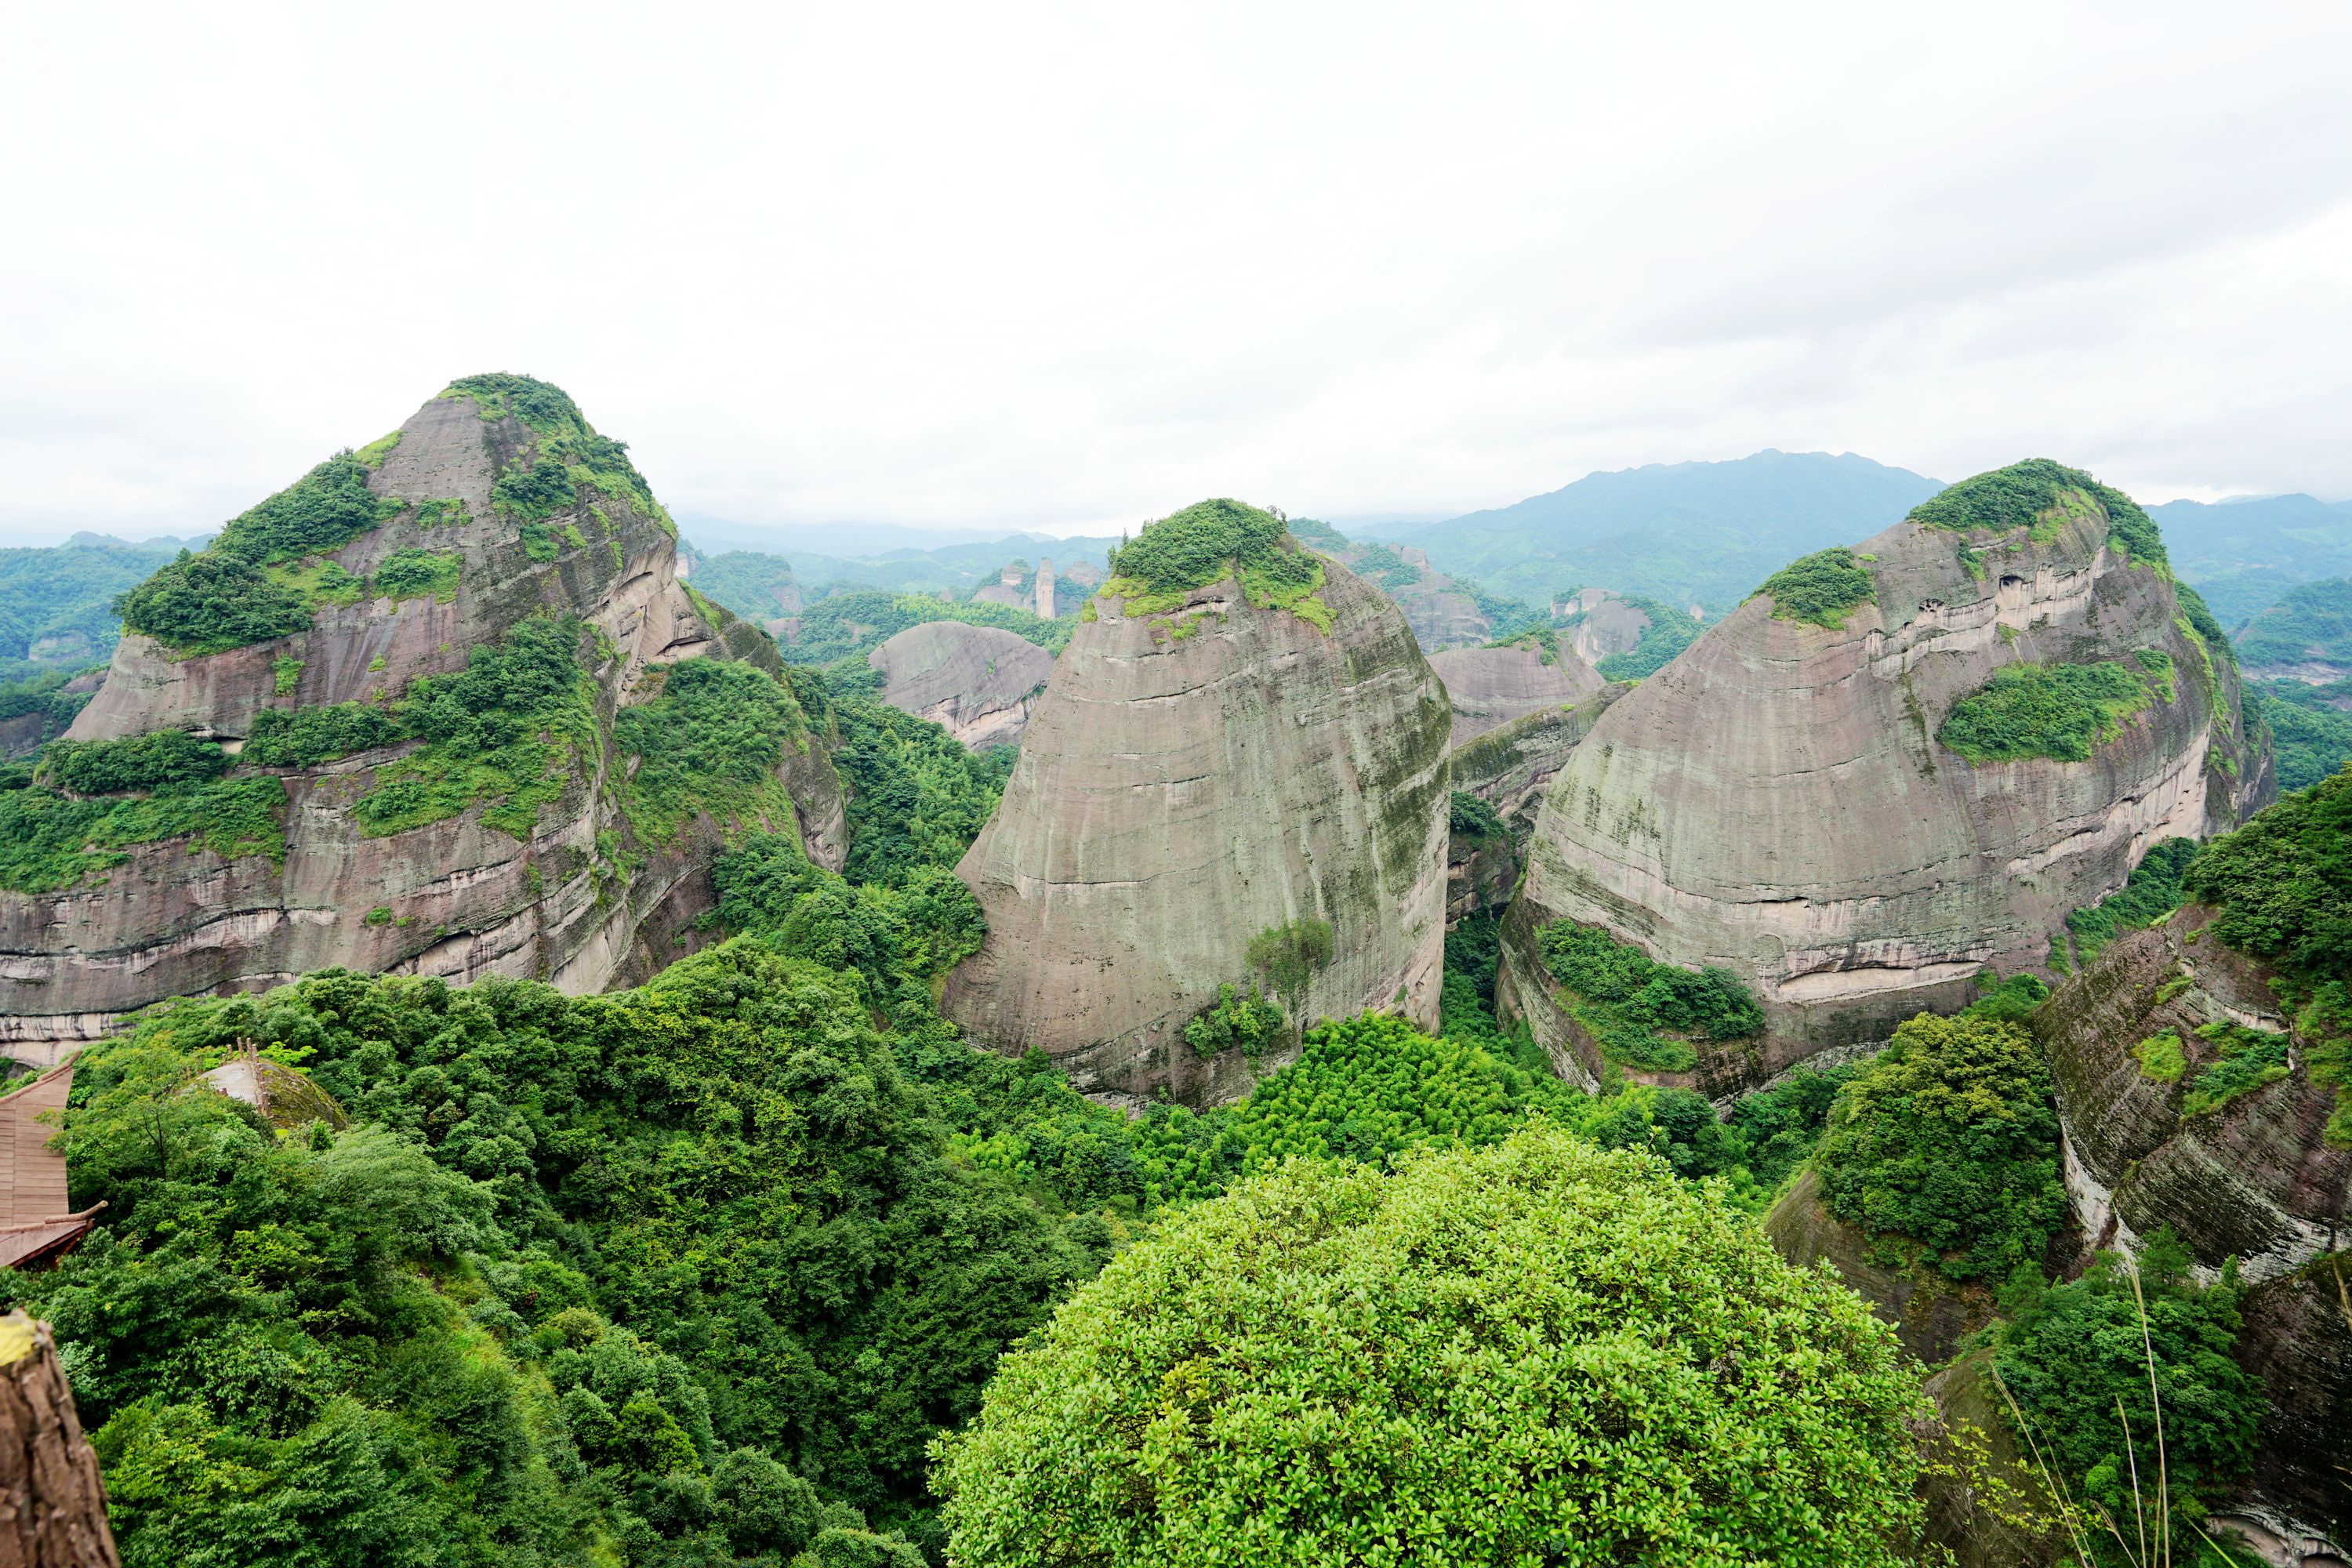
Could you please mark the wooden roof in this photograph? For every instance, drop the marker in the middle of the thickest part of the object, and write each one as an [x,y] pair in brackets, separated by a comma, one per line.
[33,1218]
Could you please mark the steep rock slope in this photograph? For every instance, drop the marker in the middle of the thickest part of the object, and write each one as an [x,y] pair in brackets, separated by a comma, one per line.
[2251,1176]
[445,672]
[1238,778]
[980,683]
[1793,799]
[1492,685]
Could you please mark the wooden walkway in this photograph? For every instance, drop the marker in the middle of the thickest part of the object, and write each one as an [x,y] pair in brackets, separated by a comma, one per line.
[33,1221]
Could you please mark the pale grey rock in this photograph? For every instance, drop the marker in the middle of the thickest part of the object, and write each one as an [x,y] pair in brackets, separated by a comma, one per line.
[1775,801]
[1179,794]
[465,899]
[980,683]
[1492,685]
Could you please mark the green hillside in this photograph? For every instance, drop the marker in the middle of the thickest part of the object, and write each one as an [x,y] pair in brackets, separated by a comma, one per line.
[57,602]
[2311,624]
[1687,534]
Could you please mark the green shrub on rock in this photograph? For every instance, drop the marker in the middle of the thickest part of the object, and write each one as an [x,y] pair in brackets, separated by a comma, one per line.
[1949,1137]
[1821,588]
[1540,1353]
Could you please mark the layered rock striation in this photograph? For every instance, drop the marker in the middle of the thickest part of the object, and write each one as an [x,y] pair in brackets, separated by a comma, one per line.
[428,752]
[1490,687]
[980,683]
[2246,1173]
[1238,779]
[1895,766]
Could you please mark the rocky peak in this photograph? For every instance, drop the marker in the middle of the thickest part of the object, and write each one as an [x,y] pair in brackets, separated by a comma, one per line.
[412,667]
[1895,765]
[1233,804]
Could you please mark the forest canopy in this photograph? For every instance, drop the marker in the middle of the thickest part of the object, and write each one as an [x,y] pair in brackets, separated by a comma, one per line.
[1538,1351]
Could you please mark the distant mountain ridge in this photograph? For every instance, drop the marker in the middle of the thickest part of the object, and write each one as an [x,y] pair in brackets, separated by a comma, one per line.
[2244,552]
[1703,532]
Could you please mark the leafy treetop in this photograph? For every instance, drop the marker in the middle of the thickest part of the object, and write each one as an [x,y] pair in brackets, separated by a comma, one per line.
[1213,539]
[1949,1137]
[1536,1352]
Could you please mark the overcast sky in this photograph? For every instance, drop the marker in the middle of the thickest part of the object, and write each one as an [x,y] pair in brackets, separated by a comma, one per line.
[1071,269]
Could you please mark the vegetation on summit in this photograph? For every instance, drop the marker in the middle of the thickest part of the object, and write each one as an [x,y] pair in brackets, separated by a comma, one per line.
[1210,540]
[2041,496]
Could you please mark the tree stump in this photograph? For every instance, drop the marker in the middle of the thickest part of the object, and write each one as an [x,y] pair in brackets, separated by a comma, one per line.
[52,1501]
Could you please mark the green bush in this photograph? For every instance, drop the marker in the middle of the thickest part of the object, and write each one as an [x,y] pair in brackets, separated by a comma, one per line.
[2244,1061]
[2070,1354]
[1246,1022]
[2152,892]
[1474,819]
[538,1300]
[1669,632]
[711,741]
[1194,547]
[2064,712]
[1627,1002]
[2283,881]
[1536,1351]
[305,737]
[1290,955]
[504,732]
[212,602]
[48,842]
[917,797]
[1821,588]
[1949,1137]
[413,573]
[152,761]
[2037,494]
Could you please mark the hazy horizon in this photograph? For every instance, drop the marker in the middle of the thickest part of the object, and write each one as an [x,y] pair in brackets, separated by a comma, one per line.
[1061,272]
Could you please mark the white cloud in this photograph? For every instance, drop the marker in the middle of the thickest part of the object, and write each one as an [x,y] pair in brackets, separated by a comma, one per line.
[1071,268]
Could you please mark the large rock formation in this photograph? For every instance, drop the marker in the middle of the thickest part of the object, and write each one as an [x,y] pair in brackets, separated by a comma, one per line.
[1492,685]
[495,508]
[1780,800]
[1209,773]
[980,683]
[2252,1178]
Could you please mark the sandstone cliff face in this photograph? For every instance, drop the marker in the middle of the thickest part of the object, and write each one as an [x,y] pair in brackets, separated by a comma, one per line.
[1492,685]
[1776,801]
[2253,1179]
[1194,779]
[579,900]
[980,683]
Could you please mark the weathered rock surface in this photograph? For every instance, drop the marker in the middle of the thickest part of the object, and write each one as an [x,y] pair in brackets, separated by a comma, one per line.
[463,899]
[2296,1336]
[980,683]
[1605,624]
[1509,767]
[2254,1179]
[1176,795]
[1928,1312]
[1492,685]
[1775,801]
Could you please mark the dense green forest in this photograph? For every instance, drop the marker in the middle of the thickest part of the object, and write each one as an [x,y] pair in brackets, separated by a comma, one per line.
[57,601]
[2310,726]
[2310,624]
[696,1273]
